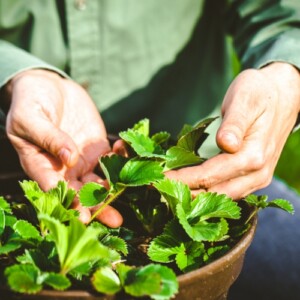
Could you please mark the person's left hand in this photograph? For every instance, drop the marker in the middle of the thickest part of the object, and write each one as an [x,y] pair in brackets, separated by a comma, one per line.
[259,112]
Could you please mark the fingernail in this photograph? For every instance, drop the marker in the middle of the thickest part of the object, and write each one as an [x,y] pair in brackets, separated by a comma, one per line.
[65,155]
[230,138]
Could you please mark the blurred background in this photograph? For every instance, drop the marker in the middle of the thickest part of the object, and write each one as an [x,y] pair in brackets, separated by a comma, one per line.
[288,167]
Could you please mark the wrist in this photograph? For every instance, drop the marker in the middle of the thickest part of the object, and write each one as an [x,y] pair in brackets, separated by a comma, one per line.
[286,78]
[31,75]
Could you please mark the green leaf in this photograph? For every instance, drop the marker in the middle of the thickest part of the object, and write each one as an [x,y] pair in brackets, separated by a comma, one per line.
[175,245]
[2,221]
[92,193]
[213,253]
[143,145]
[212,205]
[122,271]
[63,193]
[26,230]
[142,127]
[10,220]
[257,201]
[101,229]
[75,243]
[38,257]
[207,206]
[51,206]
[10,246]
[48,203]
[4,205]
[160,137]
[116,243]
[57,281]
[191,256]
[184,130]
[261,202]
[31,190]
[202,231]
[168,281]
[111,167]
[191,138]
[179,157]
[137,172]
[23,278]
[166,246]
[84,270]
[164,249]
[106,281]
[158,282]
[173,192]
[282,204]
[169,284]
[142,282]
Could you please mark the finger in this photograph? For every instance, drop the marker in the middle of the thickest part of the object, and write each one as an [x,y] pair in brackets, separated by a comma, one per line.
[119,147]
[215,170]
[109,216]
[240,187]
[241,107]
[48,137]
[232,131]
[223,167]
[92,177]
[41,167]
[84,212]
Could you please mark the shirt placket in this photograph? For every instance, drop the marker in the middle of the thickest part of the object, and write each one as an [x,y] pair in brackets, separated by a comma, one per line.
[83,33]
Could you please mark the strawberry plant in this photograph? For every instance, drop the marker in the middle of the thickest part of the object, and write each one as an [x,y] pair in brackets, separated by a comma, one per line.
[43,245]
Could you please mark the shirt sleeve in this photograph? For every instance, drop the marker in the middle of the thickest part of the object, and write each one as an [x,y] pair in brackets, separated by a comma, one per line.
[14,60]
[265,31]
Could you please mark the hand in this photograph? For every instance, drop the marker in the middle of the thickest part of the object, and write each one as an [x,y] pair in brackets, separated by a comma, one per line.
[259,111]
[58,133]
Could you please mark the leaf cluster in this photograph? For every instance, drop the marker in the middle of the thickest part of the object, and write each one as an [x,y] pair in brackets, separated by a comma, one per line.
[165,233]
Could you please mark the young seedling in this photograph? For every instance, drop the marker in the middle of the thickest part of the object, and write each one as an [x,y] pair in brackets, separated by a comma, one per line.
[166,232]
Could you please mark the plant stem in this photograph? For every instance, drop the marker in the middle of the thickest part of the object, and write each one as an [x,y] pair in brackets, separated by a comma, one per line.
[110,199]
[252,215]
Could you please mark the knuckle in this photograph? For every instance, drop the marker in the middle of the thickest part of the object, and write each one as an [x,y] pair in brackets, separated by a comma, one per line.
[48,143]
[257,161]
[205,182]
[266,176]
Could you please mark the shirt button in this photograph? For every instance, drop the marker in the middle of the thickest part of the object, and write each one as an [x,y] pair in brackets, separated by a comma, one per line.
[80,4]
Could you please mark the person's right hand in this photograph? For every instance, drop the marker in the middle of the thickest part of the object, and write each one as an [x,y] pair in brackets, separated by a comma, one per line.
[58,133]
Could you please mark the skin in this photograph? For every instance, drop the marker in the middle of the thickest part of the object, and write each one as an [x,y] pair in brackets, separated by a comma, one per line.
[58,134]
[259,111]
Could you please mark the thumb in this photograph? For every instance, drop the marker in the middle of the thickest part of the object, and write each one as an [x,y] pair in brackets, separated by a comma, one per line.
[232,132]
[52,139]
[59,144]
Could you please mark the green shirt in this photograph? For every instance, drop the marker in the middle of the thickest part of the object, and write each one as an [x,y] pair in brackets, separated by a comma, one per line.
[168,60]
